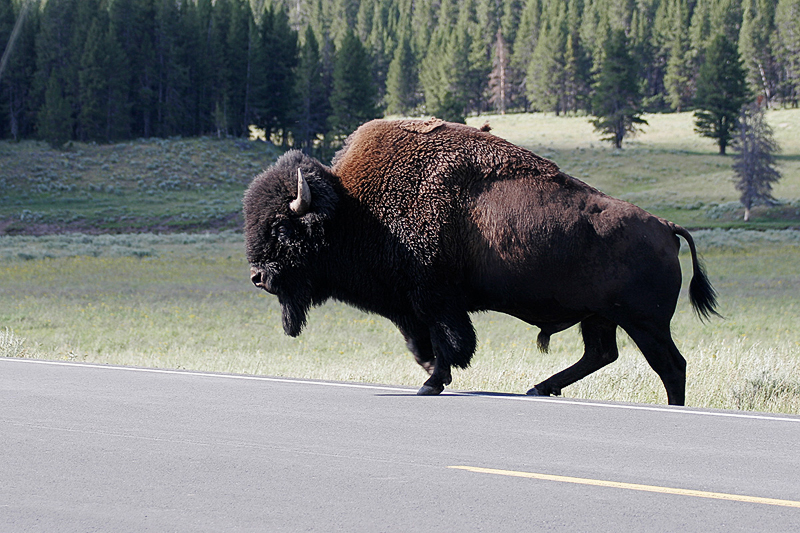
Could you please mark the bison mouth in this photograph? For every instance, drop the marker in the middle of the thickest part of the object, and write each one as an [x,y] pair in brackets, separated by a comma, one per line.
[294,303]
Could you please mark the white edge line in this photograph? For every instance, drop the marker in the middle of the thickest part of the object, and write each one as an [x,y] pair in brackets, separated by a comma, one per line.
[537,399]
[207,374]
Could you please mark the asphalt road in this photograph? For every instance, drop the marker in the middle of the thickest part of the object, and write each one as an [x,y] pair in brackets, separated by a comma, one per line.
[98,448]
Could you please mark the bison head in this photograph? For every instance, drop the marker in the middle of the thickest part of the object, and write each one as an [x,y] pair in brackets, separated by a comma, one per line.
[286,209]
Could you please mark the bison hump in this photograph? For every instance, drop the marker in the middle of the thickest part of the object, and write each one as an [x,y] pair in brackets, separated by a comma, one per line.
[421,126]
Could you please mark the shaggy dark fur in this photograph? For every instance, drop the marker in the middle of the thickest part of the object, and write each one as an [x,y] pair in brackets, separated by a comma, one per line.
[425,222]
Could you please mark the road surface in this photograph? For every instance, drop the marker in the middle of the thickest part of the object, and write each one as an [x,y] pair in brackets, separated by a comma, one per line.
[101,448]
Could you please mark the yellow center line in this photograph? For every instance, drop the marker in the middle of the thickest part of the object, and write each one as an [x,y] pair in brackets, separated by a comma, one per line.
[632,486]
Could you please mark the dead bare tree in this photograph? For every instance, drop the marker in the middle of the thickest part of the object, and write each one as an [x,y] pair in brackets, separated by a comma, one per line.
[754,164]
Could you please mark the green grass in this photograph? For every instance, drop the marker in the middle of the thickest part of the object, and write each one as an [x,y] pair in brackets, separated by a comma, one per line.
[667,169]
[197,184]
[157,184]
[184,301]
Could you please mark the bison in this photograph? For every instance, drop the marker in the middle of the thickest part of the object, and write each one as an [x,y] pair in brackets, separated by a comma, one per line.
[425,222]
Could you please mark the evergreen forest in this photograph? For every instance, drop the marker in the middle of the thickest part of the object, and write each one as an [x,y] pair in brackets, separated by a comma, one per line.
[307,72]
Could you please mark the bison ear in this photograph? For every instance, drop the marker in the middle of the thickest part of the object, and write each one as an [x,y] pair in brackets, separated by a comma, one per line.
[302,203]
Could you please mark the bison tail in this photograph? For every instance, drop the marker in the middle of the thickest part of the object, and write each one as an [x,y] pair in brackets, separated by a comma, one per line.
[701,293]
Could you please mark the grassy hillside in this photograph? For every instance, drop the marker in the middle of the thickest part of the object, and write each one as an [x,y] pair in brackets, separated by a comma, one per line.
[197,184]
[667,169]
[146,185]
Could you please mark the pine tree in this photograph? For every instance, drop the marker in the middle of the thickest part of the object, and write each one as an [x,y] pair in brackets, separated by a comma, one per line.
[17,80]
[546,79]
[721,92]
[754,164]
[726,17]
[380,38]
[145,85]
[312,108]
[577,63]
[56,80]
[424,21]
[353,97]
[402,81]
[7,22]
[498,80]
[273,75]
[755,48]
[55,117]
[786,43]
[645,53]
[617,99]
[93,85]
[446,66]
[117,105]
[678,75]
[201,71]
[701,32]
[240,43]
[479,60]
[510,22]
[527,38]
[218,67]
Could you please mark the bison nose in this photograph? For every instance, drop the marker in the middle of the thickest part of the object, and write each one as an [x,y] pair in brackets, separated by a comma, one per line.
[262,279]
[256,276]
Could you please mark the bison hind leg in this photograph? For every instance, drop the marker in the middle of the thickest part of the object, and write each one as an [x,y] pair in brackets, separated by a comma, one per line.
[658,348]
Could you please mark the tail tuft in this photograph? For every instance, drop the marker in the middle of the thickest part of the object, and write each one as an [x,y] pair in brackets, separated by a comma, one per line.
[701,293]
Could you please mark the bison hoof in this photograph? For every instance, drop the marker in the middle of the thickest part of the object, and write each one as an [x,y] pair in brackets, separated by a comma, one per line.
[536,392]
[427,390]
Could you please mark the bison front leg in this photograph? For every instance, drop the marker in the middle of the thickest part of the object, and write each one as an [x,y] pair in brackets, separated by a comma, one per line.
[418,342]
[453,342]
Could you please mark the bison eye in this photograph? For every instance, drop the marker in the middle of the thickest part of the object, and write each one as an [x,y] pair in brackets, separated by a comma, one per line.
[283,232]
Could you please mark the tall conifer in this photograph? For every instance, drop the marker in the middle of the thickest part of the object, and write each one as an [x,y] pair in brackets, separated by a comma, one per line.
[721,92]
[402,81]
[7,22]
[755,48]
[55,122]
[273,77]
[786,42]
[678,77]
[546,79]
[353,97]
[93,84]
[18,78]
[617,99]
[312,109]
[754,163]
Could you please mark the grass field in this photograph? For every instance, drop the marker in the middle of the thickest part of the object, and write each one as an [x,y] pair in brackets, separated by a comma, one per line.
[145,185]
[183,300]
[667,169]
[197,184]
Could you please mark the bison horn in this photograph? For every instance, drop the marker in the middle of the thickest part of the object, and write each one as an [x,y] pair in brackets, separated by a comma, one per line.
[302,203]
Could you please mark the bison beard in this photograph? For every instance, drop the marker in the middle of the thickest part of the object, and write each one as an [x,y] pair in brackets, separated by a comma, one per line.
[424,222]
[294,310]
